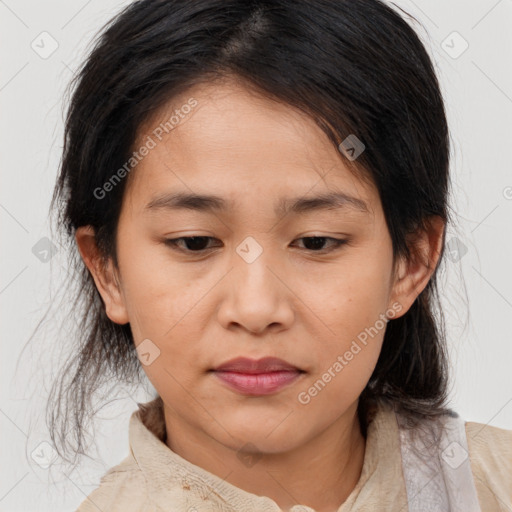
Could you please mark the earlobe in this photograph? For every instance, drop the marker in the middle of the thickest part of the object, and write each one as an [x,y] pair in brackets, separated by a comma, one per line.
[103,274]
[413,274]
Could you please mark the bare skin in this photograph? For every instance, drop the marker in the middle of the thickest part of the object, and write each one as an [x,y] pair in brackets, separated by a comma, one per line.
[302,304]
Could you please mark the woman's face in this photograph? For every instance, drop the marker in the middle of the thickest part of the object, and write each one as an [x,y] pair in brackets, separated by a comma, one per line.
[257,285]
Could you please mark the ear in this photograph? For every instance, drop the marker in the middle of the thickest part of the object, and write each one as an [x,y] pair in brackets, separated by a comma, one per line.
[413,275]
[103,273]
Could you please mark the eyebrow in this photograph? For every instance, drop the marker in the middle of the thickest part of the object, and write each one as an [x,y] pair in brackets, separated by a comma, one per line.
[299,205]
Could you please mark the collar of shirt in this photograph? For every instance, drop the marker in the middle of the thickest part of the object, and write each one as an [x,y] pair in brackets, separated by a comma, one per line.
[172,479]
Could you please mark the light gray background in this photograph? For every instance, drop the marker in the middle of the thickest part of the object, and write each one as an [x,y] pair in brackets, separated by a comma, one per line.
[478,89]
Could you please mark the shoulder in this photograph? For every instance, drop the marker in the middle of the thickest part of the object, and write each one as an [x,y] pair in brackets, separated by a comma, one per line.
[122,489]
[490,456]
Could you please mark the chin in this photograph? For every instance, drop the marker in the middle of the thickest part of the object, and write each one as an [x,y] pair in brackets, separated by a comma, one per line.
[260,437]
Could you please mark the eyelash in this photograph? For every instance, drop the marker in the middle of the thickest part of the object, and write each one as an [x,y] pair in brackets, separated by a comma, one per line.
[173,244]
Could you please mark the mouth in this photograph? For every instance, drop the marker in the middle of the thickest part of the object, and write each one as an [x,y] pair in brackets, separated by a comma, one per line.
[257,377]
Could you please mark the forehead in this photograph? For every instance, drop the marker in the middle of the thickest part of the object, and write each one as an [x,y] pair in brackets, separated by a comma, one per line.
[237,144]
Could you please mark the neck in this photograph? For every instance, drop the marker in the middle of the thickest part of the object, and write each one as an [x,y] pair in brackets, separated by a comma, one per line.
[321,473]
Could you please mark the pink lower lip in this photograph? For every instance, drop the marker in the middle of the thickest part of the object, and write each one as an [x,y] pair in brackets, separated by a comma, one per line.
[258,384]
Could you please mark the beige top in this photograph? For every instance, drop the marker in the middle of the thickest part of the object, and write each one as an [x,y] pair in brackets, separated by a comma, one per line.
[152,478]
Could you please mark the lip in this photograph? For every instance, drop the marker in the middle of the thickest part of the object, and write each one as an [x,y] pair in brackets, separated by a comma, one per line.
[257,377]
[256,366]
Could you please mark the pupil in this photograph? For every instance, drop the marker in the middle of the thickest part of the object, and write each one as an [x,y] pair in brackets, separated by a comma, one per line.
[315,241]
[192,243]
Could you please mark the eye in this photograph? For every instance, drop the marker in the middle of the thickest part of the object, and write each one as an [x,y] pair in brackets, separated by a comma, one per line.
[316,243]
[192,243]
[199,244]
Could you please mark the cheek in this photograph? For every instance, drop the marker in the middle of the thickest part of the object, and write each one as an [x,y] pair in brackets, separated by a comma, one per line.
[157,293]
[349,354]
[341,382]
[352,301]
[351,294]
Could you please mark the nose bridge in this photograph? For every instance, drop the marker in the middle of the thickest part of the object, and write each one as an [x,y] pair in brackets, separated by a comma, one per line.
[256,296]
[252,261]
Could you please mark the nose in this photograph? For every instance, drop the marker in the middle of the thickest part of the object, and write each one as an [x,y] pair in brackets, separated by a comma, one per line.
[256,297]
